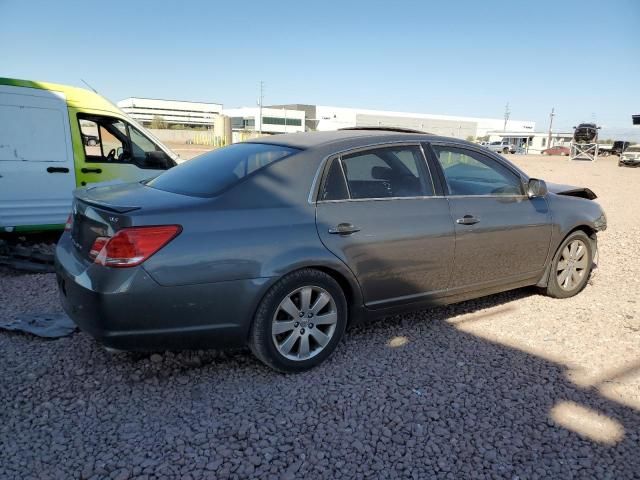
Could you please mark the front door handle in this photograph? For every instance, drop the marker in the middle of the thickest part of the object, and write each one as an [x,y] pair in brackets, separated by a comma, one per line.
[91,170]
[467,220]
[344,229]
[58,170]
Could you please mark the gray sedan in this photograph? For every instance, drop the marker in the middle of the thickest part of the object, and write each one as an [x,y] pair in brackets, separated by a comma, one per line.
[280,243]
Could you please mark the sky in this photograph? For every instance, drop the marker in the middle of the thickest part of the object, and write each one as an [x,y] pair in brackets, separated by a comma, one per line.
[449,57]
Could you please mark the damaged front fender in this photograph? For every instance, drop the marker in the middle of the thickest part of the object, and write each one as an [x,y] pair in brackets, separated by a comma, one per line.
[571,191]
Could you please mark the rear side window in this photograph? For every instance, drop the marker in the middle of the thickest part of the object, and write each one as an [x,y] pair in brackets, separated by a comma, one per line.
[334,187]
[211,173]
[387,172]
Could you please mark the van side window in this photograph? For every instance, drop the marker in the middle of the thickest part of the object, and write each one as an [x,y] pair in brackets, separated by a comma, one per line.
[104,141]
[111,140]
[144,150]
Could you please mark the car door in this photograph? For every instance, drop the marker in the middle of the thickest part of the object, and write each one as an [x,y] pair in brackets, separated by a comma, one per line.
[378,212]
[502,235]
[116,150]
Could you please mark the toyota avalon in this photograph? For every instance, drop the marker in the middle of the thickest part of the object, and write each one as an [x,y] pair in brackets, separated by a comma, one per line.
[280,243]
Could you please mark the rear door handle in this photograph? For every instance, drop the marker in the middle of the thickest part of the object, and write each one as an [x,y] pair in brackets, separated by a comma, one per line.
[344,229]
[58,170]
[467,220]
[91,170]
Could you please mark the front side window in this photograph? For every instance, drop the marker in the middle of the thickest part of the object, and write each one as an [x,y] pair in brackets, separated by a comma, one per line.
[104,141]
[111,140]
[387,172]
[470,173]
[214,172]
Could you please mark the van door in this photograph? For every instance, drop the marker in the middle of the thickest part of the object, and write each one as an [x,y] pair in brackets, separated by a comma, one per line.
[116,150]
[37,175]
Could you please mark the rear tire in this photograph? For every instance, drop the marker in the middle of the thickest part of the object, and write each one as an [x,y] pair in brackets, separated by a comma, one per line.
[571,266]
[299,322]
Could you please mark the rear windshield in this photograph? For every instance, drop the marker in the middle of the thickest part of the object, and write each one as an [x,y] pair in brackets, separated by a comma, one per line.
[212,173]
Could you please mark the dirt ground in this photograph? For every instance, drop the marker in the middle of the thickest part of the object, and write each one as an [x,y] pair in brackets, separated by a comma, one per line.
[516,385]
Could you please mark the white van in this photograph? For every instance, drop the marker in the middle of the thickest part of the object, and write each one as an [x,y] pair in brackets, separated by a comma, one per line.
[55,138]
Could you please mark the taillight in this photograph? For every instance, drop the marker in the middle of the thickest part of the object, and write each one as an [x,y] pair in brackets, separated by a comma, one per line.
[132,246]
[69,223]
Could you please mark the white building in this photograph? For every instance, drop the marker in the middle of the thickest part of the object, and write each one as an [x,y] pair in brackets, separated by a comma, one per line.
[321,117]
[534,142]
[274,120]
[172,112]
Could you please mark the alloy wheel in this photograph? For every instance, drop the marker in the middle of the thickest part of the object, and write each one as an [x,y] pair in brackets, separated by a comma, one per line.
[304,323]
[572,265]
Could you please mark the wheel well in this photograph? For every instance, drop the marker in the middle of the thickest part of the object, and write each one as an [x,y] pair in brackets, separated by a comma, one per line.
[347,288]
[591,233]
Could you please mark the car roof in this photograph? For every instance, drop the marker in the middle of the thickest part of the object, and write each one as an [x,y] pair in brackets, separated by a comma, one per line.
[348,138]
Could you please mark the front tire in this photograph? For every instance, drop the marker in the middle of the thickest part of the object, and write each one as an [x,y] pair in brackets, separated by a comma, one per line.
[571,266]
[299,322]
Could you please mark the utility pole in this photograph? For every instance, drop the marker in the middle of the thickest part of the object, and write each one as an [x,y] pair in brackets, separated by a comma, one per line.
[260,109]
[507,114]
[551,115]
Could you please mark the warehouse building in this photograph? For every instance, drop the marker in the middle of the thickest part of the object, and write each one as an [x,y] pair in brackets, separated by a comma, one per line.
[171,112]
[320,117]
[274,119]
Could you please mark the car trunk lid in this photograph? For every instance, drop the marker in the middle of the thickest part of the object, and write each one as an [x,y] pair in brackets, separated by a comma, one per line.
[101,211]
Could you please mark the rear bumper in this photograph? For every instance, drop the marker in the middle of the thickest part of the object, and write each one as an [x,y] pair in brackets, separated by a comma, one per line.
[126,309]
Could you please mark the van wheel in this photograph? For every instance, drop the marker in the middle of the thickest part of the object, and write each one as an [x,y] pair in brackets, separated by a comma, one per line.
[571,266]
[299,322]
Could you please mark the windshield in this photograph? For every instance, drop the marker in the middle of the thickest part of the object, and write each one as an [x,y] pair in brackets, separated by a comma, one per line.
[211,173]
[634,148]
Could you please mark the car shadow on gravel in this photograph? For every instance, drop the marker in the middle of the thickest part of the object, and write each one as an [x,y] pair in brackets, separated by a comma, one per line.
[434,402]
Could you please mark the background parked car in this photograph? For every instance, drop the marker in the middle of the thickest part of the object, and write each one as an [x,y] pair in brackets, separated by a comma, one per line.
[630,157]
[501,147]
[90,140]
[557,150]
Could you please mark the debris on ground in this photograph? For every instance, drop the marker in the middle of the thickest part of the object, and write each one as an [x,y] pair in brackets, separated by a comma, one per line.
[47,325]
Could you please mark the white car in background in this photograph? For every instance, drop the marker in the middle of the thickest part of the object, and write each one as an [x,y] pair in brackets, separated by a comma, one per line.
[501,147]
[630,157]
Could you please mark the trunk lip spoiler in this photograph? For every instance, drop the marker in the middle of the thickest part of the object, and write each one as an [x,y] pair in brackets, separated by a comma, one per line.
[82,195]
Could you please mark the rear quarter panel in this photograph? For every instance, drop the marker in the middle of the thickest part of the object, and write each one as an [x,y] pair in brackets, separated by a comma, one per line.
[262,227]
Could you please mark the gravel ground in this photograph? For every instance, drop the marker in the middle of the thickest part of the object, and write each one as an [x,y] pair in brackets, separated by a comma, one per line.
[515,385]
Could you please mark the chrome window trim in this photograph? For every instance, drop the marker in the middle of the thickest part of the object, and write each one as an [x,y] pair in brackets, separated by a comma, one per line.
[315,186]
[424,197]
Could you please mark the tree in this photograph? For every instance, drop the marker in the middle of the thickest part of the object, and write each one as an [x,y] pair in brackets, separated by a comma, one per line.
[158,122]
[470,138]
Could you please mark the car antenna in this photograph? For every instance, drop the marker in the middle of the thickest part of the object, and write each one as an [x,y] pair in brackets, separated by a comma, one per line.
[87,84]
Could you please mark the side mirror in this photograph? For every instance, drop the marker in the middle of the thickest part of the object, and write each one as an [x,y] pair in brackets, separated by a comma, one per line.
[158,160]
[536,188]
